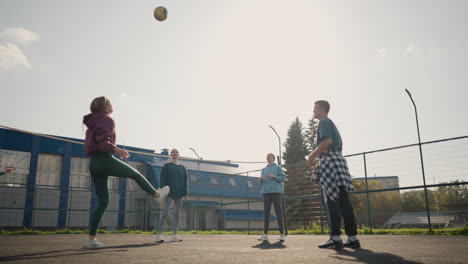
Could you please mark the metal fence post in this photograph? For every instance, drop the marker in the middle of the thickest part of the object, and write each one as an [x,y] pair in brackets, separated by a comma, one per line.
[33,213]
[222,209]
[248,204]
[70,197]
[369,218]
[198,201]
[321,209]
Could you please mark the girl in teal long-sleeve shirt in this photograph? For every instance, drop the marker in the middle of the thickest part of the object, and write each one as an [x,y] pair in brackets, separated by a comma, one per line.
[173,175]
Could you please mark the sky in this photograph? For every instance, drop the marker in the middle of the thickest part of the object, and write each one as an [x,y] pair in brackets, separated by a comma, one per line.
[217,73]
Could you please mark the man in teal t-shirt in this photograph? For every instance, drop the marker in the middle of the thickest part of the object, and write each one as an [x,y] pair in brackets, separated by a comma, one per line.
[327,129]
[335,180]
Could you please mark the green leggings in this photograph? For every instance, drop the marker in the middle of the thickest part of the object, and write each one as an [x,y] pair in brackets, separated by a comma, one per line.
[101,167]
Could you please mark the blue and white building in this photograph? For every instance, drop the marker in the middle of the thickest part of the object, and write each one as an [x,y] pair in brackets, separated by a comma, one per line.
[52,188]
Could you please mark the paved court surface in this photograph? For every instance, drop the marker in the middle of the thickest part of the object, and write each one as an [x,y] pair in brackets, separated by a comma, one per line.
[138,248]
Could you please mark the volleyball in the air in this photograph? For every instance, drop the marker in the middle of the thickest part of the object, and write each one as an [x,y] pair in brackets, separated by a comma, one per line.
[160,13]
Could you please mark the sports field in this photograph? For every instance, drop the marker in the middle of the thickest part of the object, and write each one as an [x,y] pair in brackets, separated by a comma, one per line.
[139,248]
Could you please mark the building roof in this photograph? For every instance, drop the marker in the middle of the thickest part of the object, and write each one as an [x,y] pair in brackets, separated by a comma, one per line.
[420,218]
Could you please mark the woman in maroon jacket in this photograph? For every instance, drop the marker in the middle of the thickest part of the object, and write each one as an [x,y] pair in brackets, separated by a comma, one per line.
[100,145]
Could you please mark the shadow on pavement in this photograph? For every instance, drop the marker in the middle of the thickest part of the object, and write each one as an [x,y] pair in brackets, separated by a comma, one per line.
[267,245]
[131,246]
[368,256]
[74,252]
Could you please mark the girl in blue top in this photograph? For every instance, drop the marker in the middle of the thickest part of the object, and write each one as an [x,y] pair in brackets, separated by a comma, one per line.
[272,189]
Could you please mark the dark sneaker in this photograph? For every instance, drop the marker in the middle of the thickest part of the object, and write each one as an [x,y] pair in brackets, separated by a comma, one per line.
[352,244]
[332,244]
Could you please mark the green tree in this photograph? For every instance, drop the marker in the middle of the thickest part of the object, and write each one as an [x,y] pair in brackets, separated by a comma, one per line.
[413,201]
[296,145]
[454,197]
[382,204]
[311,134]
[445,198]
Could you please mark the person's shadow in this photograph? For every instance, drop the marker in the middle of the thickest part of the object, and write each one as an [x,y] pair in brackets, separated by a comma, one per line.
[369,256]
[266,245]
[74,252]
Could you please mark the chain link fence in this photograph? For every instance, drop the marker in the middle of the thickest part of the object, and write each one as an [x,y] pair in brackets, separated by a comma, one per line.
[390,193]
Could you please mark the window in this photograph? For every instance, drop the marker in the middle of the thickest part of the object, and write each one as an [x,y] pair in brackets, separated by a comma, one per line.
[193,178]
[232,182]
[79,174]
[131,184]
[48,170]
[113,184]
[249,184]
[141,167]
[213,180]
[19,160]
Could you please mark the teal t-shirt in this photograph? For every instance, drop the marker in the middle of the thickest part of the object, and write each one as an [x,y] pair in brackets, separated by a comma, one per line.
[174,176]
[327,129]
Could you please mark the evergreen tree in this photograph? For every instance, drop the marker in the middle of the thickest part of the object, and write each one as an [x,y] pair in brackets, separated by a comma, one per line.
[311,134]
[296,145]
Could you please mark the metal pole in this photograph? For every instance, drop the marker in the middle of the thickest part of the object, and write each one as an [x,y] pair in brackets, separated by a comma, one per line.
[198,191]
[197,210]
[248,204]
[34,207]
[282,195]
[369,218]
[70,211]
[284,215]
[198,206]
[222,210]
[321,209]
[422,163]
[279,140]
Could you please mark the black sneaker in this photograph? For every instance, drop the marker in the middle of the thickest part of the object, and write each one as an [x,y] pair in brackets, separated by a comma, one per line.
[352,244]
[332,244]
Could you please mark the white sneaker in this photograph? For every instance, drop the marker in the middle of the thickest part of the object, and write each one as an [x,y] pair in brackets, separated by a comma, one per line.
[163,192]
[159,238]
[90,243]
[282,237]
[176,238]
[264,237]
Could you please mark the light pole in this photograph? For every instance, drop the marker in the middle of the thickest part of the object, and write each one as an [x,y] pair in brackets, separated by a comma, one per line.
[279,140]
[422,162]
[282,195]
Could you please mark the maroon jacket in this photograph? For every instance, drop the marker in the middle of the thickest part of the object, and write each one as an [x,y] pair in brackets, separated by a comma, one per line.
[100,135]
